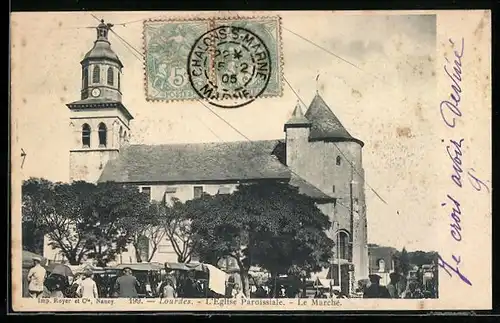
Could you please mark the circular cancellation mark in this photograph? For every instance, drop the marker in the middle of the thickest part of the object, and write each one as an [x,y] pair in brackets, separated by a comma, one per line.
[229,66]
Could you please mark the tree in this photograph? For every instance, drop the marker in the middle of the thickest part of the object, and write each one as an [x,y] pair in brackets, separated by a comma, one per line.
[36,200]
[146,233]
[267,224]
[82,219]
[57,210]
[419,258]
[176,223]
[114,206]
[402,262]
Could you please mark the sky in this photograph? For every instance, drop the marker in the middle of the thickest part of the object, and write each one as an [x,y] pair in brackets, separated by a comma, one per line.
[384,100]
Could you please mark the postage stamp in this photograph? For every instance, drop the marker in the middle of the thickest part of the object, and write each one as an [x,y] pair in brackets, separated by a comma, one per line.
[360,179]
[228,62]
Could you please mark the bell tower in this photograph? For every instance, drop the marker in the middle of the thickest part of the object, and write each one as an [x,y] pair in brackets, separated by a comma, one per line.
[99,122]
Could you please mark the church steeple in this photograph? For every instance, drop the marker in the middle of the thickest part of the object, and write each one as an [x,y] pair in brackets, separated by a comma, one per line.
[99,122]
[101,68]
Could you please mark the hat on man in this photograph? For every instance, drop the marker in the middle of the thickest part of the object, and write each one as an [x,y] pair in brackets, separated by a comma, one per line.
[37,259]
[374,277]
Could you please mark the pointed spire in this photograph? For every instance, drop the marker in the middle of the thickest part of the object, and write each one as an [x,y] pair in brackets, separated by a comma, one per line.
[298,119]
[324,123]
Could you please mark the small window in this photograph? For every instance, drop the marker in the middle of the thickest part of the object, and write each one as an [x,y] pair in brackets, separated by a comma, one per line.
[338,161]
[118,81]
[197,191]
[102,135]
[147,191]
[96,74]
[224,190]
[86,135]
[121,133]
[124,136]
[333,188]
[85,77]
[110,76]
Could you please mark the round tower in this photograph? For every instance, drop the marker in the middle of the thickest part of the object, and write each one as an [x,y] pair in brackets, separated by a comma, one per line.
[321,151]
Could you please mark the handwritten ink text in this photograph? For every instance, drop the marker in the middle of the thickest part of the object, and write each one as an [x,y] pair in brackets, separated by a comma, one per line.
[451,108]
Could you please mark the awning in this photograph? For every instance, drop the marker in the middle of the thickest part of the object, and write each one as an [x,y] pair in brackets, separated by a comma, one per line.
[183,266]
[142,266]
[217,279]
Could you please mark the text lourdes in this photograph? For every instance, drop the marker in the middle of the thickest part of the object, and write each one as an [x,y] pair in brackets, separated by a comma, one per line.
[451,111]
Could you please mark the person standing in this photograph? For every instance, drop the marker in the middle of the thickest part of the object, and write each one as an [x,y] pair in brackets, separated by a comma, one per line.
[87,287]
[375,290]
[36,279]
[168,291]
[392,287]
[126,286]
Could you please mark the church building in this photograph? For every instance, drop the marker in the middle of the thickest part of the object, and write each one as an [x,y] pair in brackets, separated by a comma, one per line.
[317,155]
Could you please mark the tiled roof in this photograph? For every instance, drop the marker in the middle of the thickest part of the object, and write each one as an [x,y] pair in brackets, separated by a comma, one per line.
[325,125]
[308,189]
[199,162]
[229,161]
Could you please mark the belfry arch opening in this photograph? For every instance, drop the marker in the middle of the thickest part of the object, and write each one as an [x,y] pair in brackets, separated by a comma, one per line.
[103,134]
[86,135]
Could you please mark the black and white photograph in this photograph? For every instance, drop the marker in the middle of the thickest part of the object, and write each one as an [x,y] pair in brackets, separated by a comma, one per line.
[305,160]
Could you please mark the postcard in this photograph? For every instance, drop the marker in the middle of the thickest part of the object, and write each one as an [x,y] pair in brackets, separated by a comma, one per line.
[267,161]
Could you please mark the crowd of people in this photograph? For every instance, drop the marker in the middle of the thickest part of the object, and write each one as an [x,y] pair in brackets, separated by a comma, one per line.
[187,285]
[398,287]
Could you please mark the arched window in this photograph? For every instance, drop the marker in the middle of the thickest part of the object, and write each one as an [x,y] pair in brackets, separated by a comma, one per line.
[381,265]
[343,245]
[85,77]
[102,135]
[338,161]
[110,76]
[96,74]
[124,136]
[118,81]
[86,135]
[121,133]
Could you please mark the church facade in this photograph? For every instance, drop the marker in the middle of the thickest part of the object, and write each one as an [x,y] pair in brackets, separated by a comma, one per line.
[317,154]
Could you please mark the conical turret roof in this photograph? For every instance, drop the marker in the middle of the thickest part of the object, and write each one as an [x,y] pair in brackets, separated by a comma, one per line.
[298,119]
[324,124]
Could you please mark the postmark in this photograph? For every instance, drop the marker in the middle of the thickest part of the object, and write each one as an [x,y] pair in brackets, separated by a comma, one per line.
[229,66]
[167,44]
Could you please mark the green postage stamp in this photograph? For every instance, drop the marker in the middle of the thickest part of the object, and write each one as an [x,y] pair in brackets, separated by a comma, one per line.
[213,59]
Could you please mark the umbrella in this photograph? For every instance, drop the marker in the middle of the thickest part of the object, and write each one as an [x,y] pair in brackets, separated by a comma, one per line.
[28,259]
[62,270]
